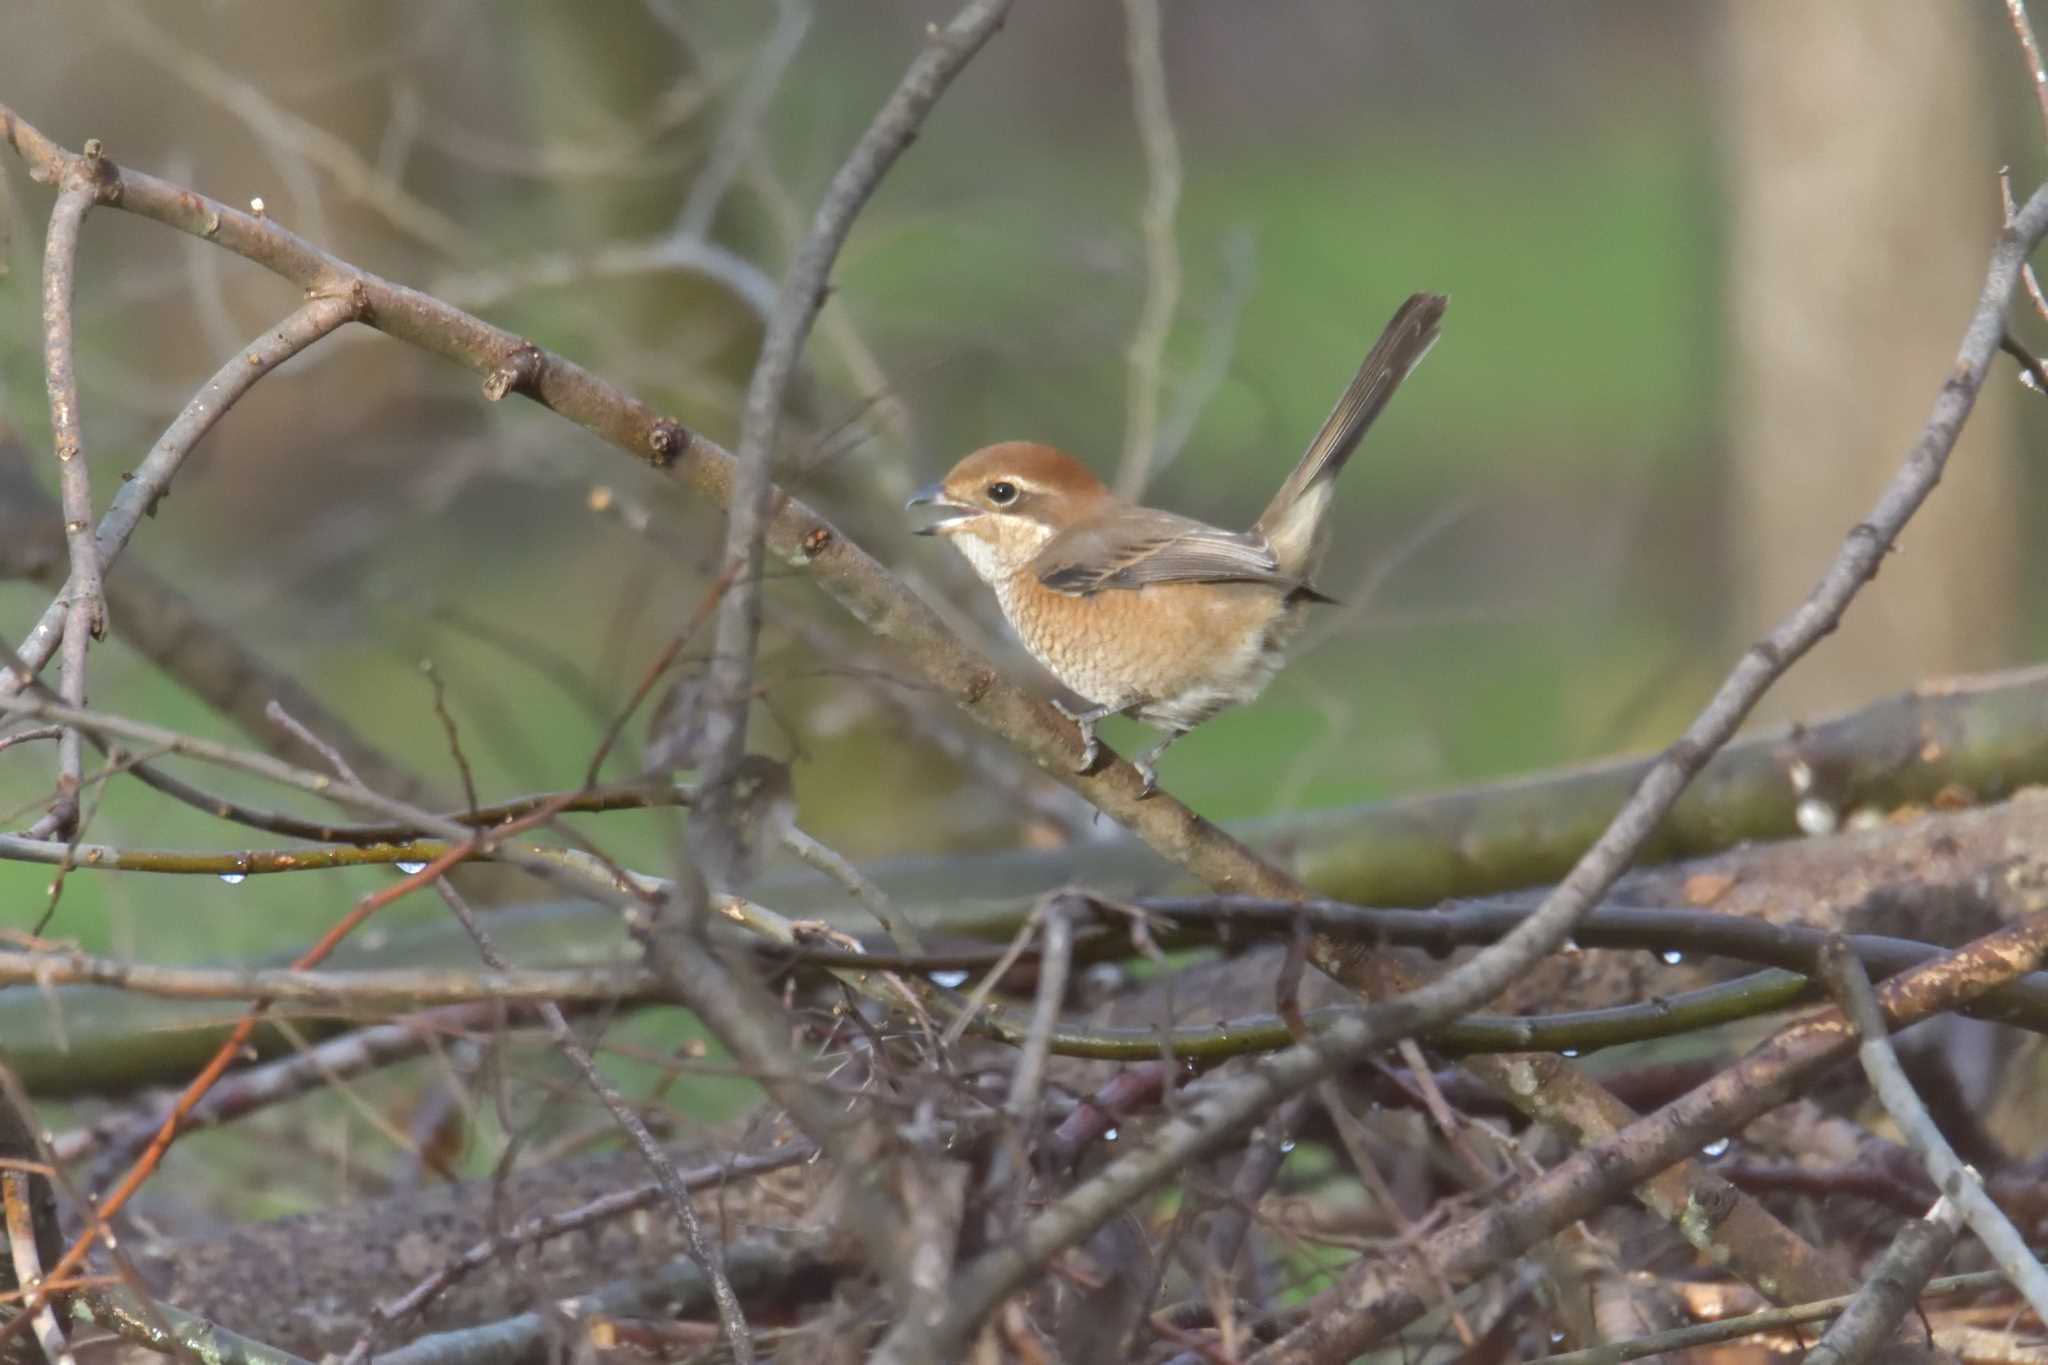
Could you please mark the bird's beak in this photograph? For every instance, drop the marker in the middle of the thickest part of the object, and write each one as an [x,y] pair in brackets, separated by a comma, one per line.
[934,495]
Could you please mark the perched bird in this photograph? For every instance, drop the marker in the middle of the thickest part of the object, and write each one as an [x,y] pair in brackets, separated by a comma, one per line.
[1148,613]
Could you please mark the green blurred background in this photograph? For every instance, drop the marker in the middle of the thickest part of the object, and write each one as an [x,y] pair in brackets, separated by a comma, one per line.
[1707,264]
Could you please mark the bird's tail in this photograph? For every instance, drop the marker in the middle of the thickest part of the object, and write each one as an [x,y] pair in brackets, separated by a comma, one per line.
[1292,523]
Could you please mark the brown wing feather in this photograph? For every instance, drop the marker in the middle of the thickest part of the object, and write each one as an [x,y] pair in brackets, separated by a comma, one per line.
[1134,546]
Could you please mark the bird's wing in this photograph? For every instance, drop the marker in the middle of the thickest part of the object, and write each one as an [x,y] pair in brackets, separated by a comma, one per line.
[1134,546]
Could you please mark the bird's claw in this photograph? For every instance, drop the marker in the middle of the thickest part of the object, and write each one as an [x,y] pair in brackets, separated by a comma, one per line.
[1148,775]
[1146,763]
[1091,747]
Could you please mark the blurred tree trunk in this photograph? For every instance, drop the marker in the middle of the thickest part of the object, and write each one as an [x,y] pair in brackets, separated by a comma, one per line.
[1862,182]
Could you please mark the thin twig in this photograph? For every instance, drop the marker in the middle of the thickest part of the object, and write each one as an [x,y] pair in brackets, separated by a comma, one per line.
[2027,276]
[735,140]
[16,1194]
[29,735]
[2030,364]
[150,479]
[2023,29]
[367,990]
[1957,1181]
[1055,917]
[744,280]
[453,734]
[1147,351]
[872,898]
[729,681]
[85,607]
[305,736]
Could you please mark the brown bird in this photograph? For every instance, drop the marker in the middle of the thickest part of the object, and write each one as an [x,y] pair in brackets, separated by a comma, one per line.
[1148,613]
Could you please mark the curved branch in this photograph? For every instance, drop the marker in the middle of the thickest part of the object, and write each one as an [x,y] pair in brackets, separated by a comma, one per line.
[714,834]
[307,324]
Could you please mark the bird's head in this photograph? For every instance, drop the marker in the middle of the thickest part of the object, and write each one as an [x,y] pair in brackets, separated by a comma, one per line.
[1002,503]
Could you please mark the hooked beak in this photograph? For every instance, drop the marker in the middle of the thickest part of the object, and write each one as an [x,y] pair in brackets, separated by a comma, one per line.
[934,496]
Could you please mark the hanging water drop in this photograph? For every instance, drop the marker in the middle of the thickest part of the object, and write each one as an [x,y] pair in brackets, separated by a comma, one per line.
[234,878]
[1717,1148]
[409,866]
[950,980]
[1672,957]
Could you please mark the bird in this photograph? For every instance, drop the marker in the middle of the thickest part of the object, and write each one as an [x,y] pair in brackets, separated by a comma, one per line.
[1145,612]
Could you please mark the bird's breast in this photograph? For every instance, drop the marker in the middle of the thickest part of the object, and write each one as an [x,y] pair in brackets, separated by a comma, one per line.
[1179,652]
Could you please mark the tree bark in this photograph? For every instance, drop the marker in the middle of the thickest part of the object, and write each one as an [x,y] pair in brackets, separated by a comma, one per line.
[1861,173]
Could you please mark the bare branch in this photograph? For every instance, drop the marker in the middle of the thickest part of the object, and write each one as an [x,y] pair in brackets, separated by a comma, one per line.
[18,1198]
[2023,29]
[876,901]
[379,990]
[1959,1183]
[152,477]
[84,601]
[735,140]
[730,677]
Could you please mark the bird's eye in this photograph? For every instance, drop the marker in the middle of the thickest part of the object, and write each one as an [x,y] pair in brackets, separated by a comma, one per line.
[1002,493]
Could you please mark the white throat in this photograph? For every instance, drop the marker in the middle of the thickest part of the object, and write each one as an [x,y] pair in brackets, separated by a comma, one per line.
[992,562]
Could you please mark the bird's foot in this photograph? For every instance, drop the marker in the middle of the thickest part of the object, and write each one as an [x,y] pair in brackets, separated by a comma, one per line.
[1091,747]
[1146,763]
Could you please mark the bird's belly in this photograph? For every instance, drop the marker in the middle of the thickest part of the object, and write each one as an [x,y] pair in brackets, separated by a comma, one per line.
[1175,653]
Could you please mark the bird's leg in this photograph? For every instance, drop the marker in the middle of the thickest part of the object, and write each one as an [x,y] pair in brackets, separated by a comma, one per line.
[1144,762]
[1091,747]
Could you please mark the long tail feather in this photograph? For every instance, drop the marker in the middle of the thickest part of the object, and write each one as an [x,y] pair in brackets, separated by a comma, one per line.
[1292,523]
